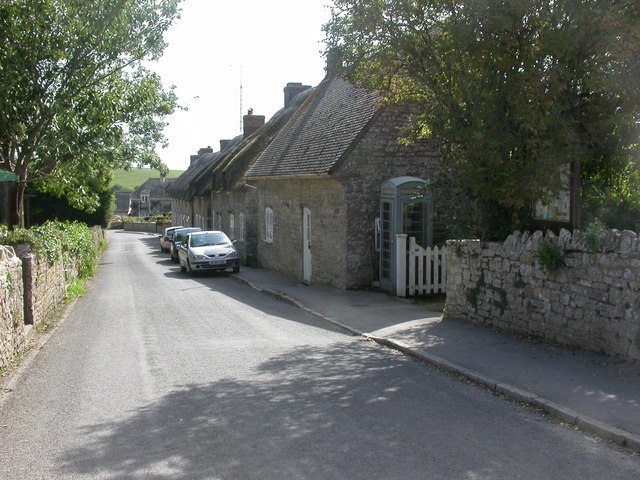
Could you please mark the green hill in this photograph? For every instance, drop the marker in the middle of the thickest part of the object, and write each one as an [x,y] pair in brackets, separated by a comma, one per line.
[137,176]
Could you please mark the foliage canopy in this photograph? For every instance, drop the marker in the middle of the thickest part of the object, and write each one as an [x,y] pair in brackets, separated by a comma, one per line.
[512,89]
[77,101]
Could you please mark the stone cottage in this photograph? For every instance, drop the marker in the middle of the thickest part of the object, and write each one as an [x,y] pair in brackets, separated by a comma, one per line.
[318,186]
[233,199]
[190,202]
[213,193]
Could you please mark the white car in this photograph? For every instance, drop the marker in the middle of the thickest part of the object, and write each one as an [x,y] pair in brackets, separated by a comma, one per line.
[210,250]
[166,236]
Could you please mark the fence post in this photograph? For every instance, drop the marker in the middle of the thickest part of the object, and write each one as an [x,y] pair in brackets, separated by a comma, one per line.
[28,282]
[401,265]
[411,258]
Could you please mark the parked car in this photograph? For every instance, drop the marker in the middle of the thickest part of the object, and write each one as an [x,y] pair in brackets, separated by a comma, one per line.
[210,250]
[166,236]
[176,239]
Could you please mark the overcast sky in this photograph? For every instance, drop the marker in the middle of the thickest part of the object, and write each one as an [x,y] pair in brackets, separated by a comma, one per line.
[219,45]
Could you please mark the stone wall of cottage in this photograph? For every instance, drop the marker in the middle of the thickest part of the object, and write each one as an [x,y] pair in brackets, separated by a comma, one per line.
[202,213]
[181,212]
[12,332]
[287,198]
[592,301]
[227,203]
[377,158]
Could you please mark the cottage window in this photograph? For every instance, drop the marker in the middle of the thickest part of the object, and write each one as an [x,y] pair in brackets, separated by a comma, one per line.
[232,226]
[268,225]
[144,198]
[241,222]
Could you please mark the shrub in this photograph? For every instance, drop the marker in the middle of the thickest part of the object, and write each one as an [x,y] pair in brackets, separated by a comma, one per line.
[52,239]
[549,257]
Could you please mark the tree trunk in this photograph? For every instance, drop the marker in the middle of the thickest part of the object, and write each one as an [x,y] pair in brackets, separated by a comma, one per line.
[16,218]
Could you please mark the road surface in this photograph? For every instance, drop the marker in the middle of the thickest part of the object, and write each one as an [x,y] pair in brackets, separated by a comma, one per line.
[156,375]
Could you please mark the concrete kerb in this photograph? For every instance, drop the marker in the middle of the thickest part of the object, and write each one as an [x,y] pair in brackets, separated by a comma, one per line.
[563,414]
[292,301]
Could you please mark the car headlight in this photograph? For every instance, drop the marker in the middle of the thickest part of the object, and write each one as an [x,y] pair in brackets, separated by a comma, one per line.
[199,257]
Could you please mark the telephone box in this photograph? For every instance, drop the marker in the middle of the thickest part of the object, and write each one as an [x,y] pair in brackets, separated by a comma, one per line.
[406,206]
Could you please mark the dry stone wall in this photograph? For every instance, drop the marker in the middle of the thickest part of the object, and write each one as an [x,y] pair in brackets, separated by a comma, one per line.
[591,301]
[12,335]
[31,289]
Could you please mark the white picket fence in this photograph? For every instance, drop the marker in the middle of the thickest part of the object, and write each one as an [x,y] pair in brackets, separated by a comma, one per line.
[419,271]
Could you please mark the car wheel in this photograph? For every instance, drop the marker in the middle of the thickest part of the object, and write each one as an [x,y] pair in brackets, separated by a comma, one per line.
[183,268]
[236,269]
[190,270]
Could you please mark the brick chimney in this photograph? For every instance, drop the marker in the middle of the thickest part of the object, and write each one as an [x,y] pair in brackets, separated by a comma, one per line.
[334,62]
[251,123]
[291,90]
[193,158]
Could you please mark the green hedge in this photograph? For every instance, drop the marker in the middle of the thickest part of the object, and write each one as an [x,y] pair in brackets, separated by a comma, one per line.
[53,239]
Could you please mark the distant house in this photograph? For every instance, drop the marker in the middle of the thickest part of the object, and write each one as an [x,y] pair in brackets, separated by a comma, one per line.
[151,198]
[319,187]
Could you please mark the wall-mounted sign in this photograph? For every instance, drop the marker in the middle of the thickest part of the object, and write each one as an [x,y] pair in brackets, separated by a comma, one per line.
[559,208]
[561,211]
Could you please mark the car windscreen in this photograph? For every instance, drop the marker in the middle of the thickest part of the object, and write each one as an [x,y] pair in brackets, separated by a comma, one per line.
[209,239]
[179,235]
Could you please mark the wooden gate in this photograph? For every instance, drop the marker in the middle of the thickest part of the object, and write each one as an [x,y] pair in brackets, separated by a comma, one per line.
[419,271]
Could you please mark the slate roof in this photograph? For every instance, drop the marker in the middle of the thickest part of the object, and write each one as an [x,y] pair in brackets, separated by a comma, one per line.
[155,187]
[187,185]
[229,173]
[225,170]
[122,202]
[321,133]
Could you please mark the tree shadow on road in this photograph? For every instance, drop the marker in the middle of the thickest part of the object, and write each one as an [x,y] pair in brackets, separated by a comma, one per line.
[350,410]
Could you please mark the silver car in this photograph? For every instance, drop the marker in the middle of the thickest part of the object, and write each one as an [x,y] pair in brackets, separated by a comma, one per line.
[210,250]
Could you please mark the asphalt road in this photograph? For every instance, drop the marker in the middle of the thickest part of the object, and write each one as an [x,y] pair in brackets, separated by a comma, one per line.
[156,375]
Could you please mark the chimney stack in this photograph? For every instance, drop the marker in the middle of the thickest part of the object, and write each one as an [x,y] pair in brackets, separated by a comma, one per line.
[204,150]
[193,158]
[291,90]
[224,144]
[334,62]
[251,123]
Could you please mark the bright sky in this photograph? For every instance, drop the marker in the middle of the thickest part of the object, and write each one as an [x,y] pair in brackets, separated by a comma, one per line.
[216,46]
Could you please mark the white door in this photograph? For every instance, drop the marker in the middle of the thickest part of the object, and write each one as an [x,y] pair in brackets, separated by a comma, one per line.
[306,245]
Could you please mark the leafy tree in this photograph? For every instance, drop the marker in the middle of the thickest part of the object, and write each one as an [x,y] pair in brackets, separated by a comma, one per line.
[45,206]
[76,99]
[512,89]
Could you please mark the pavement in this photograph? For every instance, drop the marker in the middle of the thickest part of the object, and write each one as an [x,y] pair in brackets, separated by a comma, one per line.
[597,393]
